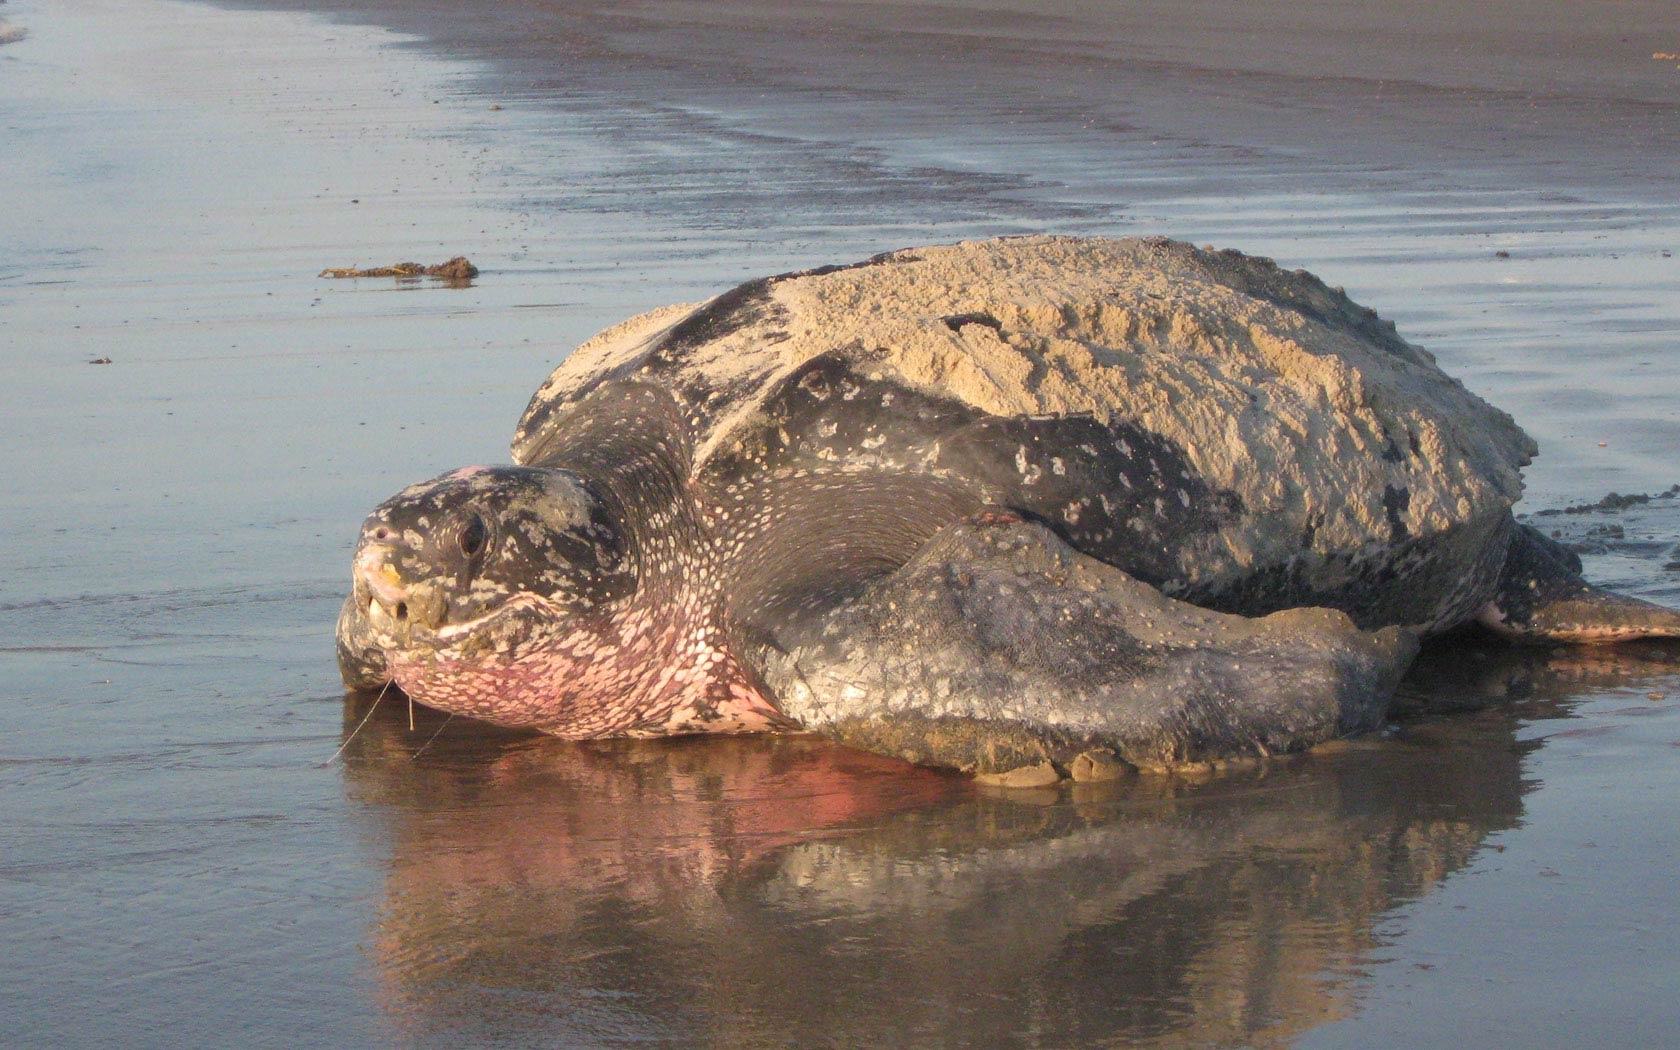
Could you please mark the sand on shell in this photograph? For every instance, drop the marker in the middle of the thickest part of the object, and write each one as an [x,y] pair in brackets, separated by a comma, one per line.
[1275,387]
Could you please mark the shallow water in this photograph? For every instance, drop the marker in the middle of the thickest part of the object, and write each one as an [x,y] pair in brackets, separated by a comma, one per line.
[186,862]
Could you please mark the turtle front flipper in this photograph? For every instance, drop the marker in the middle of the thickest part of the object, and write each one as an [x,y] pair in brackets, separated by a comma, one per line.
[1543,599]
[1000,647]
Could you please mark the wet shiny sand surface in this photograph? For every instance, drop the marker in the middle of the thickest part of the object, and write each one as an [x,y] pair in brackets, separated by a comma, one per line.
[185,862]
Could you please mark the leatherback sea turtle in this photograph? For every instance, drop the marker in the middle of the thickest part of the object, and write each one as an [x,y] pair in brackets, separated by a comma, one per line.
[1036,502]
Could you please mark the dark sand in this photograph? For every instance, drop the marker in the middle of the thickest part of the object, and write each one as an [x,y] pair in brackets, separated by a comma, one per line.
[180,866]
[1394,150]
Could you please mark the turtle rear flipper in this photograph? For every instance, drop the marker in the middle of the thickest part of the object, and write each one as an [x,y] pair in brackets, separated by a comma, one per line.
[1543,599]
[999,646]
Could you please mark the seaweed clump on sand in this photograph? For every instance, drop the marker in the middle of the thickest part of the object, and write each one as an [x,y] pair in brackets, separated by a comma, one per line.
[456,269]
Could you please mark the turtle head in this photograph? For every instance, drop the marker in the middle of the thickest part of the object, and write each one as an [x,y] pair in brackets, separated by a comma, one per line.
[474,559]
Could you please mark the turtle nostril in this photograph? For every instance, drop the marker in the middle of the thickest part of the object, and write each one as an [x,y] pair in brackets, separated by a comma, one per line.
[402,610]
[382,533]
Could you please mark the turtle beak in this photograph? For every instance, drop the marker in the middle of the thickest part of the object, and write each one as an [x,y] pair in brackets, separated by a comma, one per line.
[397,601]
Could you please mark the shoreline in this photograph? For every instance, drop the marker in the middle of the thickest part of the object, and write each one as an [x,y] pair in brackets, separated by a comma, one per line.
[1524,92]
[1503,184]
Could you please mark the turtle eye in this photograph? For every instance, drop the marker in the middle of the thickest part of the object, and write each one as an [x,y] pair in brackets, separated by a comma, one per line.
[474,535]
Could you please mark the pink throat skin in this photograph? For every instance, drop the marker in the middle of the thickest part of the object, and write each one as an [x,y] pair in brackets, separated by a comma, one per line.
[639,674]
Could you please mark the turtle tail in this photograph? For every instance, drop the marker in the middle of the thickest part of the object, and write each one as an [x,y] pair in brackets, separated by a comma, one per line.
[1542,599]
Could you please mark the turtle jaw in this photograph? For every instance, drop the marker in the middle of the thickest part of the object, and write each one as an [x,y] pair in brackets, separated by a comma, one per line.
[410,621]
[419,624]
[398,601]
[534,663]
[379,631]
[527,664]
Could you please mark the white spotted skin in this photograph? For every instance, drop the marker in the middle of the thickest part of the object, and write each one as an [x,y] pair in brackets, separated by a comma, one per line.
[643,673]
[540,629]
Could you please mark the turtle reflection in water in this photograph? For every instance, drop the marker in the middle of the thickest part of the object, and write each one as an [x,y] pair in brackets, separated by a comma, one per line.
[781,891]
[1037,503]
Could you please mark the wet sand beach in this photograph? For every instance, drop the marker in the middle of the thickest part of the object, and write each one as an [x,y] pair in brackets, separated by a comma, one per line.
[186,862]
[1396,152]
